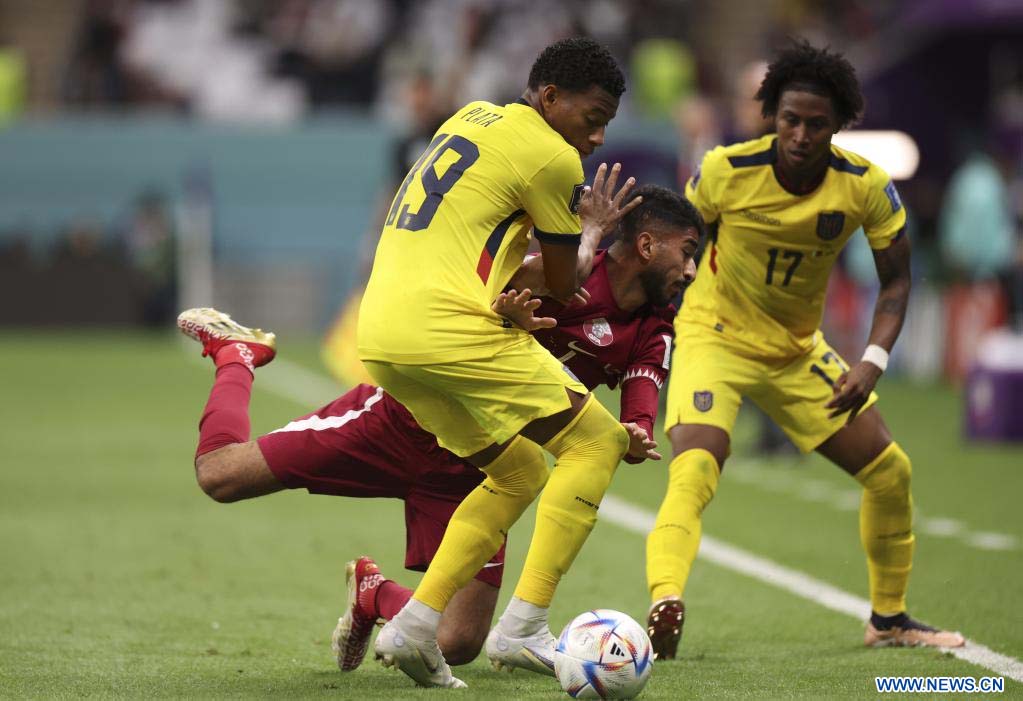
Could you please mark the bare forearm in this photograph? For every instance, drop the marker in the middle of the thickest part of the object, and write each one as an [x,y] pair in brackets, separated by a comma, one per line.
[591,238]
[893,271]
[853,387]
[889,314]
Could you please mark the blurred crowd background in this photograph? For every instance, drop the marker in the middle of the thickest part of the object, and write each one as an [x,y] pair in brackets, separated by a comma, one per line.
[156,154]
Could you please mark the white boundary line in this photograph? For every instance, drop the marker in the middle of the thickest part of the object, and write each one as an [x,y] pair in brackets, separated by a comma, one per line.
[298,384]
[773,480]
[638,520]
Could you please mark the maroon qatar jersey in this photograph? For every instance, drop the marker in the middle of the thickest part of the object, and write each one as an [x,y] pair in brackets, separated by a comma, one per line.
[602,345]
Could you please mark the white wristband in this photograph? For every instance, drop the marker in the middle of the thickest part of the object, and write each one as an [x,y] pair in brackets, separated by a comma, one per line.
[876,355]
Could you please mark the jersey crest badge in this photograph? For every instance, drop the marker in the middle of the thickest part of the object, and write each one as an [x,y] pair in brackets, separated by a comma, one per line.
[703,401]
[830,225]
[577,197]
[598,331]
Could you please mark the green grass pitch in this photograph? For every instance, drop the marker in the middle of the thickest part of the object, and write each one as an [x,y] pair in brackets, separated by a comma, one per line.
[119,578]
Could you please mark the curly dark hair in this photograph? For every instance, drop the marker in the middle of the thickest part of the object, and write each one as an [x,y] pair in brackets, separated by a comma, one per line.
[663,206]
[819,71]
[575,65]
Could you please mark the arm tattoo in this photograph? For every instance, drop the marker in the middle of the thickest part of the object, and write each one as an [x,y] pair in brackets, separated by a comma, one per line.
[891,306]
[890,309]
[892,263]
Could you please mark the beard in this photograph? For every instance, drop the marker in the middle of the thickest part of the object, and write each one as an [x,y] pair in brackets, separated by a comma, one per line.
[655,285]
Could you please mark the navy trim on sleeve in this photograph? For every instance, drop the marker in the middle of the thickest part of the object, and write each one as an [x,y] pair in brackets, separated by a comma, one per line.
[558,239]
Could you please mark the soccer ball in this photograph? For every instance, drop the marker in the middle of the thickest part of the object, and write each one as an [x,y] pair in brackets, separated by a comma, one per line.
[603,654]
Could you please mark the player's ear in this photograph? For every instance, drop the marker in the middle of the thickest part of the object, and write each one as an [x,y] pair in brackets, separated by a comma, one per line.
[549,94]
[645,246]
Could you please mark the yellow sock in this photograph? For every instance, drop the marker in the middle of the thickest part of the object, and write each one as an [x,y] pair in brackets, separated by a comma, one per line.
[480,523]
[886,528]
[672,544]
[588,451]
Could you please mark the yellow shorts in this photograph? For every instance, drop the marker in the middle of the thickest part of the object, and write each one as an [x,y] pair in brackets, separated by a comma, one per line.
[709,380]
[471,404]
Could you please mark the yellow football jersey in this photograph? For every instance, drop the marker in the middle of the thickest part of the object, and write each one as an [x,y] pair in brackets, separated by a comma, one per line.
[763,277]
[458,230]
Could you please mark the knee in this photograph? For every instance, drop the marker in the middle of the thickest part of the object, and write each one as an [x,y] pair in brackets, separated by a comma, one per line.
[695,472]
[903,469]
[214,478]
[902,472]
[716,441]
[535,480]
[607,433]
[891,472]
[520,472]
[596,437]
[461,645]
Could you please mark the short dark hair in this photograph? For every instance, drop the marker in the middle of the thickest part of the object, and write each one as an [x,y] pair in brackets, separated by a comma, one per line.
[576,65]
[662,206]
[819,71]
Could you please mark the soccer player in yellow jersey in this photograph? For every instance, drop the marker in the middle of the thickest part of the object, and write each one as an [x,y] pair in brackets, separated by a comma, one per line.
[784,206]
[455,234]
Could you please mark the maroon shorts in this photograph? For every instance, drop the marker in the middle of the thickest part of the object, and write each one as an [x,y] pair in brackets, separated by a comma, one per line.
[366,444]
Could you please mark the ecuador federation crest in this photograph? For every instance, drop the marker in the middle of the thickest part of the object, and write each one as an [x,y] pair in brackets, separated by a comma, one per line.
[830,225]
[703,400]
[598,331]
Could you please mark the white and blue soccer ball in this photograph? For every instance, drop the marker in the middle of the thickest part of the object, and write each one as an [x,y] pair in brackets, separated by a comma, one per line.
[603,654]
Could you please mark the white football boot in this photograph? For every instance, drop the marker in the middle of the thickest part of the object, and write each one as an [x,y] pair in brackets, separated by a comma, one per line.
[420,659]
[534,652]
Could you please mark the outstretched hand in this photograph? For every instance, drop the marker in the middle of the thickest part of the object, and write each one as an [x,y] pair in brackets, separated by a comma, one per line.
[600,208]
[852,390]
[641,447]
[518,308]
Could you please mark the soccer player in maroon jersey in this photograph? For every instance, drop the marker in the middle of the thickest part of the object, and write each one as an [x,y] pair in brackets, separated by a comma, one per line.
[366,444]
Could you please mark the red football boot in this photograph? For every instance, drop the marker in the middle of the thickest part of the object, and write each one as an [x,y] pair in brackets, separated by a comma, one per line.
[226,340]
[351,636]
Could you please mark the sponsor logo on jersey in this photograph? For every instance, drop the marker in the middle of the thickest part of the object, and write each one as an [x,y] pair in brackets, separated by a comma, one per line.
[574,345]
[577,197]
[830,225]
[703,400]
[893,196]
[760,218]
[598,331]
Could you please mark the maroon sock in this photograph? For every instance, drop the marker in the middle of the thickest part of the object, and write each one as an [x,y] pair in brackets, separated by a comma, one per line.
[391,597]
[226,417]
